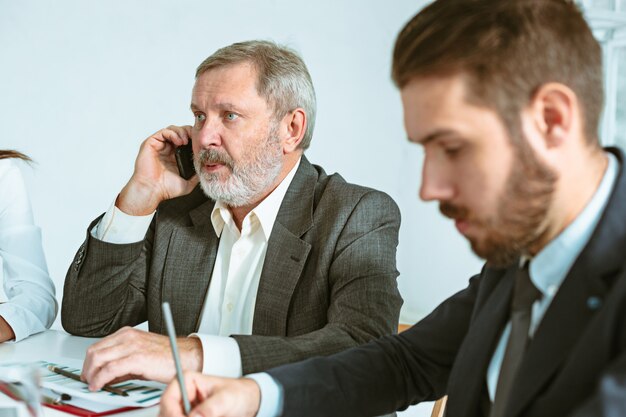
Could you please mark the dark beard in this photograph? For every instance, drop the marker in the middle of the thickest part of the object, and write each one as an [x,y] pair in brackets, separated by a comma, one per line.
[520,220]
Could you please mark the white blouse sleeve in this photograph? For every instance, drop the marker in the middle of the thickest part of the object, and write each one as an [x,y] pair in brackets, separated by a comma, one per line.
[31,306]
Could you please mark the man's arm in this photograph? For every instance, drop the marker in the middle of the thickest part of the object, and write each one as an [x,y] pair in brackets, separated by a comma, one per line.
[382,376]
[364,299]
[385,375]
[105,287]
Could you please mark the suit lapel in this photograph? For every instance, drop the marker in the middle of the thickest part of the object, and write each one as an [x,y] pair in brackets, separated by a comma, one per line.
[578,300]
[468,376]
[286,254]
[187,271]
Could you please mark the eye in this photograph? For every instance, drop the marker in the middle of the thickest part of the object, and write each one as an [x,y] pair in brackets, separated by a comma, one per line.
[230,116]
[452,149]
[199,119]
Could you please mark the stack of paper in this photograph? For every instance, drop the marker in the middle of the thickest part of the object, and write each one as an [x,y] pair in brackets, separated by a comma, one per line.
[140,393]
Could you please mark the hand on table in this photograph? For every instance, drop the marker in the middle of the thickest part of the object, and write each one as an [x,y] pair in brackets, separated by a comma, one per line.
[212,397]
[135,354]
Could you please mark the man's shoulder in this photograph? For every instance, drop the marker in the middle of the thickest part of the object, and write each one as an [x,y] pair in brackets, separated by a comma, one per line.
[335,198]
[334,189]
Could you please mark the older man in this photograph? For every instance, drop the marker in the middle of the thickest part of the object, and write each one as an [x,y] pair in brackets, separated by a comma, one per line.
[268,261]
[505,98]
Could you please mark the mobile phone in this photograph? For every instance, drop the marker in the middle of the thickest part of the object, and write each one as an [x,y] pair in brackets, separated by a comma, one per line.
[184,160]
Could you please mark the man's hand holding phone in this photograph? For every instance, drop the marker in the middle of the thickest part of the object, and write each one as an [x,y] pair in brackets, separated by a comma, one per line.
[156,177]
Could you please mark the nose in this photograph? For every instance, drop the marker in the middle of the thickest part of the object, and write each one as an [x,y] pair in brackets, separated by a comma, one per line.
[208,135]
[436,186]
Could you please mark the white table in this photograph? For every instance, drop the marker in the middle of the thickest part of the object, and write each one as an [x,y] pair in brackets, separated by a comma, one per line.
[54,343]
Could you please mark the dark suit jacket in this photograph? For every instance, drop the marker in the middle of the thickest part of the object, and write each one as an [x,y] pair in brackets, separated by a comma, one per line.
[582,335]
[328,281]
[611,398]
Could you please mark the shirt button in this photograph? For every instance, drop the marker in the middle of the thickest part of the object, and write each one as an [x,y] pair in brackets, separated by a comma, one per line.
[594,303]
[229,307]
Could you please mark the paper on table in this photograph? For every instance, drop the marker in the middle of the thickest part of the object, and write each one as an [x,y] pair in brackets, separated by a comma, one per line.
[140,393]
[80,402]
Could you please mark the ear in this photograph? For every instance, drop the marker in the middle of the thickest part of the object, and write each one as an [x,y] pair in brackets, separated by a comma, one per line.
[292,130]
[555,113]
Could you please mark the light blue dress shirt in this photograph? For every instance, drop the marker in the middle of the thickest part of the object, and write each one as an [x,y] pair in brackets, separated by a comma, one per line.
[271,395]
[547,271]
[549,267]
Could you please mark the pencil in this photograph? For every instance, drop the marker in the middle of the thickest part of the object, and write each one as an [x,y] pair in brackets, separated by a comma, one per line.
[75,377]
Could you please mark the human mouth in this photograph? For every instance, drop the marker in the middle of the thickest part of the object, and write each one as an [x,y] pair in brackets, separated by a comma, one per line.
[212,167]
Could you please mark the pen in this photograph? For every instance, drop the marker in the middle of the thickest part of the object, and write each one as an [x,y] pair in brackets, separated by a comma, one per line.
[169,324]
[75,377]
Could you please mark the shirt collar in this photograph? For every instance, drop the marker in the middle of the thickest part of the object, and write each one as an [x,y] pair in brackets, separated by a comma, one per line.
[549,268]
[264,213]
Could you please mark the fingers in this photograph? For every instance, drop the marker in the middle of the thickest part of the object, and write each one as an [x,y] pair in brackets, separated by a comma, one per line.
[166,140]
[187,130]
[128,354]
[212,407]
[99,355]
[213,397]
[229,398]
[177,135]
[91,363]
[197,388]
[117,370]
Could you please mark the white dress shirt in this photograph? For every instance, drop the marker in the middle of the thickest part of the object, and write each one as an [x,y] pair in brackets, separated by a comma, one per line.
[31,305]
[230,300]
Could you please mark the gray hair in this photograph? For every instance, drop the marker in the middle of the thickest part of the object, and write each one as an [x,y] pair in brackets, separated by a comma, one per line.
[283,79]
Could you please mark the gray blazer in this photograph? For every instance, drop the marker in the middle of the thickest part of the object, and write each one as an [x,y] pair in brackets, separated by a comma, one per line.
[328,281]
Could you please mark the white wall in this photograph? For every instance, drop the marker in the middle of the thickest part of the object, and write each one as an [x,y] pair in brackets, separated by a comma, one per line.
[82,83]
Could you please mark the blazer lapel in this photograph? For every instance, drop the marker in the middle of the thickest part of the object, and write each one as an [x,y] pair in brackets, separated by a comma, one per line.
[188,267]
[286,254]
[559,330]
[578,300]
[468,376]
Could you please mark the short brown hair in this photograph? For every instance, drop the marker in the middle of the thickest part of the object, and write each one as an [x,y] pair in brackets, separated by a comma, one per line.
[506,50]
[284,80]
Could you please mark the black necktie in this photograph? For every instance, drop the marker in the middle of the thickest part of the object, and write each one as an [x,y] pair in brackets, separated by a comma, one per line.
[524,295]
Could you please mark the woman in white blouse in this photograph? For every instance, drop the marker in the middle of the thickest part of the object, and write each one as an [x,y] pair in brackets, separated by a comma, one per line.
[30,306]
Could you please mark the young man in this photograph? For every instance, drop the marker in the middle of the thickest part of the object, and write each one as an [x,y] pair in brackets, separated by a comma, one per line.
[268,261]
[505,98]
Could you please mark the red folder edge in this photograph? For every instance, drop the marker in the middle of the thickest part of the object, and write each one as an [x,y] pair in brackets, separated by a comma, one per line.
[67,408]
